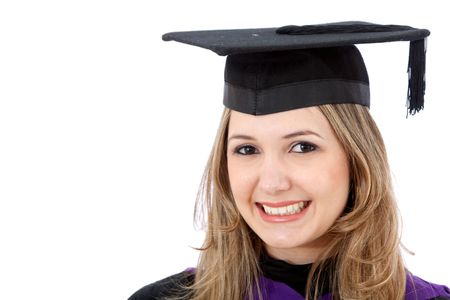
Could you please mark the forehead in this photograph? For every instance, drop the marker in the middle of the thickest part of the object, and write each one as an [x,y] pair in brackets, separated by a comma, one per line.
[303,118]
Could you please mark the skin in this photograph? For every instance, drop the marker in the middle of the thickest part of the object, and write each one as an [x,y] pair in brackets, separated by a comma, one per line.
[265,167]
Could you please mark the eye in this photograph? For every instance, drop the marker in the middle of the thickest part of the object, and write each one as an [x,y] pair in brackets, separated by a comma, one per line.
[304,147]
[245,150]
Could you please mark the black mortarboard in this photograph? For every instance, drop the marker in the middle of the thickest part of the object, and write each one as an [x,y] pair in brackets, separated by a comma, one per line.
[271,70]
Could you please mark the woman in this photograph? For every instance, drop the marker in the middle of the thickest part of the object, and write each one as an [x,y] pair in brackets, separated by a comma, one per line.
[297,191]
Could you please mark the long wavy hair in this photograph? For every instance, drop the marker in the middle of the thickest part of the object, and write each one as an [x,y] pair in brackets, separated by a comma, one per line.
[365,245]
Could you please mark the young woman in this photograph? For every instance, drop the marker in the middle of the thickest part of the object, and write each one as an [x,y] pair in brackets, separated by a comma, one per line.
[297,192]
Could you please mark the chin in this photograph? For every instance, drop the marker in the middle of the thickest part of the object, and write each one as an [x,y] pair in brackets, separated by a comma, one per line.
[283,242]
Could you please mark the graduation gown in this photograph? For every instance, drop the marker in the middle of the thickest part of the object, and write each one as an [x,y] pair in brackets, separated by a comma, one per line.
[282,281]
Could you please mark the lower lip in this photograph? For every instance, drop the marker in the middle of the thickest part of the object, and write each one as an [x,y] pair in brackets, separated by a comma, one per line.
[281,219]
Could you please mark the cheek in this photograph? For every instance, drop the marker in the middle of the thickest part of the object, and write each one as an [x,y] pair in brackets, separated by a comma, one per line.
[335,186]
[241,182]
[327,182]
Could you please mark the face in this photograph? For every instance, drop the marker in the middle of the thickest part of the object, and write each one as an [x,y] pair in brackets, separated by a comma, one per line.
[290,179]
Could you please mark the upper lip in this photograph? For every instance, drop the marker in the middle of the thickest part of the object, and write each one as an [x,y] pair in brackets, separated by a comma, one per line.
[281,203]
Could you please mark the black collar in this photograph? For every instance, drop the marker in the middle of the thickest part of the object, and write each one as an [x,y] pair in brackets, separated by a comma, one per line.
[295,276]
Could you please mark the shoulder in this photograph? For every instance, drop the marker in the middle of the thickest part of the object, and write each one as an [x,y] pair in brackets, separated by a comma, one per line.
[169,286]
[418,288]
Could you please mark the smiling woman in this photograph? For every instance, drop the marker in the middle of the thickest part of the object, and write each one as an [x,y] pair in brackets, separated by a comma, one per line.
[283,186]
[297,195]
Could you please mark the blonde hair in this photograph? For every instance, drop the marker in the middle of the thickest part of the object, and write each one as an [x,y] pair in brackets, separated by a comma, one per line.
[364,250]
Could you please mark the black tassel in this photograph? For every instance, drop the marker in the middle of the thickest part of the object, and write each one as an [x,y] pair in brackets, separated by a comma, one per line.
[416,74]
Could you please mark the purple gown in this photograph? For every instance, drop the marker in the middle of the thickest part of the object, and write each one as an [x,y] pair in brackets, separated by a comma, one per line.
[416,289]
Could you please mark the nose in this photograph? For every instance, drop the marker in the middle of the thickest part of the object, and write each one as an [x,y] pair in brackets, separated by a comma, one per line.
[274,176]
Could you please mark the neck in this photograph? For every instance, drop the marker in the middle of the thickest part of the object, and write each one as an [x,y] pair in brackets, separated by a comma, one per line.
[301,255]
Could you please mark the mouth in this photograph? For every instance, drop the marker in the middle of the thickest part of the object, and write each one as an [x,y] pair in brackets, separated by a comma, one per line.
[284,209]
[282,212]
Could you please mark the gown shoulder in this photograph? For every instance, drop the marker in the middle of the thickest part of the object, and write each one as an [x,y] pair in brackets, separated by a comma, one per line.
[418,288]
[174,285]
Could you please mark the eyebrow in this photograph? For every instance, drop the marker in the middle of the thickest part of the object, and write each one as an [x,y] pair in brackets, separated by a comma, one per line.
[288,136]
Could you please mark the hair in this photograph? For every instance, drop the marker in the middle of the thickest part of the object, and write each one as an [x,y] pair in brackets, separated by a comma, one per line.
[365,244]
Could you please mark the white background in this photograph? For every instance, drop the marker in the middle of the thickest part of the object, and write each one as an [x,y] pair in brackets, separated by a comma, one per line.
[105,130]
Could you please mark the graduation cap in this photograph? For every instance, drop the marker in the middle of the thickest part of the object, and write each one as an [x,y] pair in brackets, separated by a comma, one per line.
[270,70]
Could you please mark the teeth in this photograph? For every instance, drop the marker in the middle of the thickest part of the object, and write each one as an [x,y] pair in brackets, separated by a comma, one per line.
[284,210]
[290,209]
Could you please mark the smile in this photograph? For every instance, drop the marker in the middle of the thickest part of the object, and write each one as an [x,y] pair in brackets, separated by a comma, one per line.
[280,212]
[285,210]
